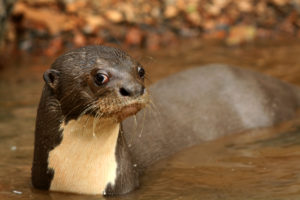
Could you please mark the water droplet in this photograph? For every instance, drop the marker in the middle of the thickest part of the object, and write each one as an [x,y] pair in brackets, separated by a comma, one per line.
[17,192]
[13,148]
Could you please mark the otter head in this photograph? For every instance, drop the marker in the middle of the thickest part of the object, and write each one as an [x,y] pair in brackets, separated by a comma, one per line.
[101,81]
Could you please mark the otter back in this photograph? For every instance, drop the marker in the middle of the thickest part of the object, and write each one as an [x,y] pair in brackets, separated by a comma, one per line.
[205,103]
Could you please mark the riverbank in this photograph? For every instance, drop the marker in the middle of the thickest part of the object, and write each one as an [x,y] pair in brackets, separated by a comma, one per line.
[50,26]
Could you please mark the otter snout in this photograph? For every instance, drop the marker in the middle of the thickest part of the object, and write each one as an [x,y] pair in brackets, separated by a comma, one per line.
[132,90]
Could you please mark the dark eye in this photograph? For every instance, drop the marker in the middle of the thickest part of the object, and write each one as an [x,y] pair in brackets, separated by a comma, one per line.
[141,72]
[101,78]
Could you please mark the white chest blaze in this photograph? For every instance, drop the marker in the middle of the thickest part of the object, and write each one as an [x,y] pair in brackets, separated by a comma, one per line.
[85,162]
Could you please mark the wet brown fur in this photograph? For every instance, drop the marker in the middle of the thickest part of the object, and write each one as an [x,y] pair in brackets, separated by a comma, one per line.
[70,92]
[185,109]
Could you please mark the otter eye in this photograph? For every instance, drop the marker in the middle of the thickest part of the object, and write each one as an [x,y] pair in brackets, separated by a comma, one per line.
[101,78]
[141,72]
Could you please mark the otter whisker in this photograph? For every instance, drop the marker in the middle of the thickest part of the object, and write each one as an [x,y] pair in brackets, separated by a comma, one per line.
[86,108]
[143,123]
[94,126]
[153,106]
[98,116]
[154,111]
[65,97]
[135,127]
[89,107]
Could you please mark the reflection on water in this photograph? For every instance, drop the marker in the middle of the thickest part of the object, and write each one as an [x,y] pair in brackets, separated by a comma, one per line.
[261,164]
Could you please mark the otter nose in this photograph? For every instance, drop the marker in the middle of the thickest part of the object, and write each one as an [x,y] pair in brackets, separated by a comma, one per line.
[132,91]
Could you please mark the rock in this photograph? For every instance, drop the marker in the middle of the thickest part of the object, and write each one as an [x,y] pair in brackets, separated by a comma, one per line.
[134,37]
[240,34]
[75,6]
[93,22]
[155,12]
[129,12]
[216,6]
[194,18]
[5,10]
[79,39]
[245,5]
[216,34]
[54,47]
[54,21]
[209,25]
[37,21]
[261,8]
[152,41]
[187,32]
[170,12]
[263,33]
[180,5]
[114,16]
[168,38]
[280,2]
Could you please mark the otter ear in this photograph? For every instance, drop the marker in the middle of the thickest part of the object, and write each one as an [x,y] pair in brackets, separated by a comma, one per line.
[51,77]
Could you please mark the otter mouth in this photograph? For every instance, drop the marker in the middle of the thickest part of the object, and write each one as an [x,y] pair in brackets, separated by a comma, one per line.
[121,108]
[129,110]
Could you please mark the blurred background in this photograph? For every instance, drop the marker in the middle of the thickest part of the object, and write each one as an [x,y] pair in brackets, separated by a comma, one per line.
[166,36]
[48,26]
[31,30]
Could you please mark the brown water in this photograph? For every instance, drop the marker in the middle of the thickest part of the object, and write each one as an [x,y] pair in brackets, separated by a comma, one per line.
[261,164]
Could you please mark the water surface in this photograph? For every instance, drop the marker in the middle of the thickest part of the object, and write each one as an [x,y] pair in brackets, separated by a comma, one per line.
[260,164]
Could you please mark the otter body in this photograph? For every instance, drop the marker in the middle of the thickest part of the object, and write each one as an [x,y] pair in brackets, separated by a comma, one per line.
[82,145]
[205,103]
[78,147]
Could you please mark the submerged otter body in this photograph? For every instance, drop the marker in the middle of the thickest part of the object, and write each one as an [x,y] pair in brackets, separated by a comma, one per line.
[205,103]
[81,146]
